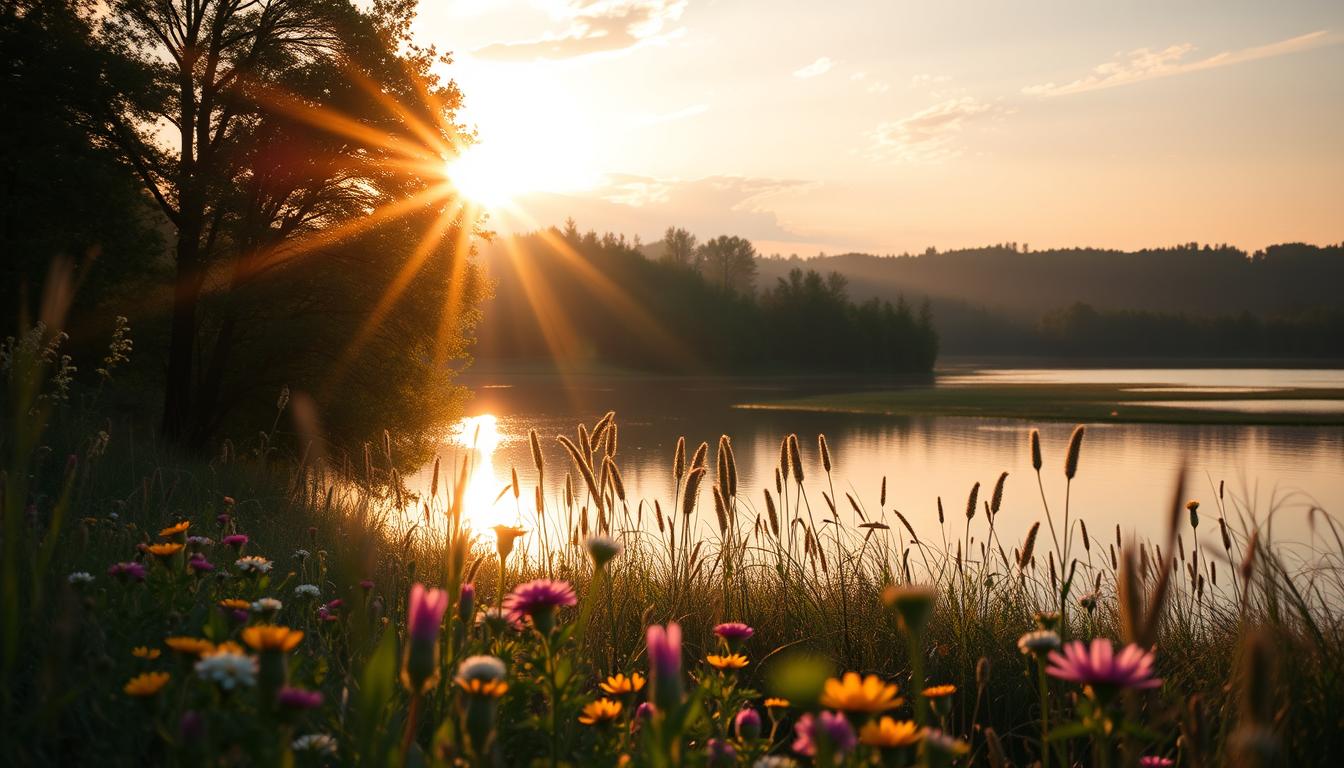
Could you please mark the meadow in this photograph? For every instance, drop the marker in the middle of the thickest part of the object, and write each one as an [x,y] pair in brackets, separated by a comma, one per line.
[276,605]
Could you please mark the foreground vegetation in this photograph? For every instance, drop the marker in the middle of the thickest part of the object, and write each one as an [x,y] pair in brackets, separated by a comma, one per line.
[270,607]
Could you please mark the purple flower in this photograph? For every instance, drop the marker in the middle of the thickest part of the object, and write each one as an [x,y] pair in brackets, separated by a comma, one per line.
[426,613]
[734,630]
[720,754]
[1099,665]
[223,518]
[664,648]
[192,726]
[538,600]
[333,605]
[829,728]
[366,584]
[199,565]
[128,571]
[299,698]
[235,540]
[239,615]
[643,714]
[1153,761]
[466,602]
[747,724]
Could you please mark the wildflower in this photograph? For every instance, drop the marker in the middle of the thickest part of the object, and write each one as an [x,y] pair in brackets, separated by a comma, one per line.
[747,724]
[855,694]
[199,565]
[943,744]
[366,584]
[505,535]
[128,571]
[234,604]
[538,599]
[298,698]
[1040,642]
[267,605]
[1193,507]
[497,620]
[913,605]
[199,541]
[228,668]
[1154,761]
[228,501]
[319,743]
[235,540]
[145,652]
[619,684]
[603,549]
[487,669]
[888,733]
[308,591]
[1088,601]
[729,661]
[175,530]
[223,518]
[189,646]
[831,729]
[720,754]
[420,667]
[466,602]
[1099,667]
[147,684]
[253,565]
[481,678]
[302,554]
[775,702]
[80,578]
[664,651]
[1047,619]
[734,634]
[940,697]
[164,551]
[600,712]
[271,637]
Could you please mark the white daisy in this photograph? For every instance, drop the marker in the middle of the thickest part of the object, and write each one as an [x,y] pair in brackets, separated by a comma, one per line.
[228,669]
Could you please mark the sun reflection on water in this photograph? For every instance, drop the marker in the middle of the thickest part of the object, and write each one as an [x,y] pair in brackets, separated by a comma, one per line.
[483,505]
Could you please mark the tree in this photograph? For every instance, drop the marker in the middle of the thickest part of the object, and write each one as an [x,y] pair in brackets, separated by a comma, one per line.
[678,247]
[295,127]
[729,262]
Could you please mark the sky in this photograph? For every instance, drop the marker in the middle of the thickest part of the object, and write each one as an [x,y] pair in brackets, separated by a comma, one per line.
[895,126]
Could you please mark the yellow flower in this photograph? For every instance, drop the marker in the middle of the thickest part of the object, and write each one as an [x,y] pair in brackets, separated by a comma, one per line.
[143,652]
[173,530]
[619,683]
[164,550]
[776,703]
[887,733]
[190,646]
[731,661]
[235,604]
[600,712]
[478,687]
[228,646]
[147,684]
[855,694]
[271,637]
[939,691]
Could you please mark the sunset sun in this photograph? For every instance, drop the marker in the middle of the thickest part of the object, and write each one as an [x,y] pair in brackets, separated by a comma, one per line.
[485,177]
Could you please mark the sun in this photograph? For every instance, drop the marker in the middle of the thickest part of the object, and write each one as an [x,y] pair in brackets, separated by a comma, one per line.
[487,177]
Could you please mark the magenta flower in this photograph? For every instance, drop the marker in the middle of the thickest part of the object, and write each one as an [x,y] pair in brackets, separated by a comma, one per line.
[1153,761]
[366,584]
[128,571]
[299,698]
[664,648]
[426,613]
[333,605]
[734,631]
[199,565]
[1099,666]
[239,615]
[235,540]
[828,728]
[643,714]
[747,724]
[720,754]
[223,519]
[538,600]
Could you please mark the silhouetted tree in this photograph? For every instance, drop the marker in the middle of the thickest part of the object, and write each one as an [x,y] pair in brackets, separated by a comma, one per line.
[729,262]
[679,247]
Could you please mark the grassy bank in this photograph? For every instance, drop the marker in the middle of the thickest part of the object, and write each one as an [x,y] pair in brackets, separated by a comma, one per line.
[1067,402]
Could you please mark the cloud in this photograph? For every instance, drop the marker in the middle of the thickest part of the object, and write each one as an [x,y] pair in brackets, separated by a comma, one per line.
[925,80]
[929,134]
[680,114]
[595,26]
[819,67]
[1145,64]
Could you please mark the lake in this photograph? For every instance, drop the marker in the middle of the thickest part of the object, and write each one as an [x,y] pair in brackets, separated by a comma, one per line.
[1126,474]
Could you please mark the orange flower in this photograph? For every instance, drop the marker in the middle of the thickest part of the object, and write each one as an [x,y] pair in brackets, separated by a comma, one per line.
[190,646]
[730,661]
[776,703]
[147,684]
[600,712]
[887,733]
[860,694]
[164,550]
[618,684]
[234,604]
[144,652]
[271,637]
[939,691]
[479,687]
[175,529]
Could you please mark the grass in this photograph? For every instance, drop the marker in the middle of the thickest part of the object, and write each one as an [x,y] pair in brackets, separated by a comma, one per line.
[1248,641]
[1063,402]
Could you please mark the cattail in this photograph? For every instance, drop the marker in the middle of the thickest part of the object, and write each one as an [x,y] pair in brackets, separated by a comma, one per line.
[997,499]
[679,459]
[1118,545]
[1227,540]
[1248,561]
[1029,545]
[855,506]
[940,510]
[612,432]
[825,453]
[982,673]
[1087,541]
[1054,578]
[1036,450]
[616,481]
[720,509]
[586,442]
[970,502]
[514,482]
[658,514]
[692,490]
[779,482]
[907,525]
[882,496]
[1096,584]
[1075,445]
[698,458]
[732,466]
[770,510]
[583,520]
[784,457]
[1114,563]
[795,459]
[585,469]
[721,463]
[1220,490]
[569,491]
[434,479]
[537,461]
[541,502]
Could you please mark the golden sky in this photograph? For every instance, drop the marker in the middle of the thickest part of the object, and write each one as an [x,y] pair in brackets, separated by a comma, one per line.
[895,126]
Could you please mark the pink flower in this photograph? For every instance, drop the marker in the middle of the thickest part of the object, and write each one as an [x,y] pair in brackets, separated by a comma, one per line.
[734,631]
[426,613]
[424,618]
[128,571]
[236,540]
[664,647]
[199,565]
[747,724]
[299,698]
[538,600]
[1099,665]
[829,727]
[720,754]
[1153,761]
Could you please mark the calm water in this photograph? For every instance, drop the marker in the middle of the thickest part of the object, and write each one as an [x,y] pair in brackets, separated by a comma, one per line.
[1126,473]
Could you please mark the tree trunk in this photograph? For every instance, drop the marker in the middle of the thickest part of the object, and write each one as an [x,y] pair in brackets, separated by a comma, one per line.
[177,399]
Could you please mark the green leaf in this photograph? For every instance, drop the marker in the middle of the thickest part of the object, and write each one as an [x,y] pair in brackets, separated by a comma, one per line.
[1069,731]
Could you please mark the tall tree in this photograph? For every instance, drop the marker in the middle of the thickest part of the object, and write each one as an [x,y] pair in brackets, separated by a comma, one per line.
[729,262]
[679,247]
[276,131]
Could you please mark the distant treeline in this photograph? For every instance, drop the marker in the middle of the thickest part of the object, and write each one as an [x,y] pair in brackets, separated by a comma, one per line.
[585,298]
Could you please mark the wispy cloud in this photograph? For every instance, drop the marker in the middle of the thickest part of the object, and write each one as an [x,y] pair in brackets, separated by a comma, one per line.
[680,114]
[929,134]
[1144,64]
[819,67]
[595,26]
[925,80]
